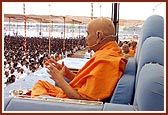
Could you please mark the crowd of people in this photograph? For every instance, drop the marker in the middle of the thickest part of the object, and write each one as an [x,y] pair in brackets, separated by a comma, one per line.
[18,64]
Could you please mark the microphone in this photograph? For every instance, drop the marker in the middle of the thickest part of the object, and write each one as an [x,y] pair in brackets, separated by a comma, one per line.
[100,41]
[92,45]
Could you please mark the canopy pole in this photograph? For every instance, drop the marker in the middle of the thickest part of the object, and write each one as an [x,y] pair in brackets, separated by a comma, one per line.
[9,26]
[64,35]
[79,34]
[79,30]
[52,30]
[92,10]
[49,46]
[72,35]
[73,30]
[25,50]
[17,30]
[115,18]
[40,28]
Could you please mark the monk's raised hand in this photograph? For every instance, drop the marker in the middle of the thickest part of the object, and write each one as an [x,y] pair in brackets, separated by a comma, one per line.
[57,65]
[55,74]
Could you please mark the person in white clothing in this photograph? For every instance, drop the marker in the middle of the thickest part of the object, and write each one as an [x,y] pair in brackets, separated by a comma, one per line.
[21,74]
[87,54]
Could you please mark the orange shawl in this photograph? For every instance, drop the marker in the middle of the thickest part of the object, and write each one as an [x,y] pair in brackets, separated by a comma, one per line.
[96,80]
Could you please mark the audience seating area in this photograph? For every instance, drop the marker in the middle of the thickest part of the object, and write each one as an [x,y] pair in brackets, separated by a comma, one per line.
[141,87]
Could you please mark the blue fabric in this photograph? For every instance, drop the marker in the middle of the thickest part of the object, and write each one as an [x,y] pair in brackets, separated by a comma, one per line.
[152,51]
[7,101]
[150,48]
[124,90]
[117,107]
[153,26]
[130,66]
[36,105]
[66,79]
[150,88]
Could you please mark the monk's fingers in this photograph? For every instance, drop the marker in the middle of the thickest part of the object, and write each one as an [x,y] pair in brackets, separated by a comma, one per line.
[57,65]
[54,62]
[51,77]
[51,72]
[46,63]
[63,63]
[48,71]
[50,66]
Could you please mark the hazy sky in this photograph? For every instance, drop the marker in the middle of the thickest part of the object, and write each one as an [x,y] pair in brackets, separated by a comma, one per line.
[128,10]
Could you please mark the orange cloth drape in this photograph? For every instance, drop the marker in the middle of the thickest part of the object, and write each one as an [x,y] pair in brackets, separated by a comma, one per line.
[131,53]
[96,80]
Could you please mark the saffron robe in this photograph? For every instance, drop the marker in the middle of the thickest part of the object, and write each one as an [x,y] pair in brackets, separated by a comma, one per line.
[96,80]
[131,52]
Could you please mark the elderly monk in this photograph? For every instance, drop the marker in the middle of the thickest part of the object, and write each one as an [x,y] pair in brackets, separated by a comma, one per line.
[98,77]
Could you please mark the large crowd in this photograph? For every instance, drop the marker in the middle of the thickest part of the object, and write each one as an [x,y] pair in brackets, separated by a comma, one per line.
[18,63]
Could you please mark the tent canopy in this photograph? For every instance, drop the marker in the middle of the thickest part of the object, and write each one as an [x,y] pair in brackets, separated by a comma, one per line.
[61,19]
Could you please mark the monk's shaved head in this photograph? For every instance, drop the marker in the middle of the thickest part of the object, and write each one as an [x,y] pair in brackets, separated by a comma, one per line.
[102,24]
[99,32]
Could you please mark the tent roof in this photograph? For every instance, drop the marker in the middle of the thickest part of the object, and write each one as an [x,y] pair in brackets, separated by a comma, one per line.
[60,19]
[46,18]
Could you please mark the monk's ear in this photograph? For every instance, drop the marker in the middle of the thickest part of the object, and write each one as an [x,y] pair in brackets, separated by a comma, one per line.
[99,35]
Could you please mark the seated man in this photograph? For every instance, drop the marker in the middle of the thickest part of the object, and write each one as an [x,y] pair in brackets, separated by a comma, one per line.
[127,52]
[98,77]
[133,46]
